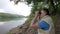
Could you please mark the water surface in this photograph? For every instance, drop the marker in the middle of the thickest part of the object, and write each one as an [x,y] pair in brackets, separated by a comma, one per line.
[7,25]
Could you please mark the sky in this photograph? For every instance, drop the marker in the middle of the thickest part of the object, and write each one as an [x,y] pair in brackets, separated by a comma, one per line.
[9,7]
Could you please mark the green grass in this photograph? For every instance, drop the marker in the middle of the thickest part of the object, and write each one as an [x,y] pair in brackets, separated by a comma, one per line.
[9,33]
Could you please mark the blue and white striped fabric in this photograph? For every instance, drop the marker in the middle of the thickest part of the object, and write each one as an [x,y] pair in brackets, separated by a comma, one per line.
[43,25]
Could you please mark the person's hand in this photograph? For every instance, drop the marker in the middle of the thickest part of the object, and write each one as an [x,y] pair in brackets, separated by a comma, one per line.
[36,13]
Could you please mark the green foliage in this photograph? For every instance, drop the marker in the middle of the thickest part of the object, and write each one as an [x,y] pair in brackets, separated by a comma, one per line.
[7,16]
[52,5]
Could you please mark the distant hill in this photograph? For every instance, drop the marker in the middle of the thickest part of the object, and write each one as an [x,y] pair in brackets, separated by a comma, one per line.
[7,16]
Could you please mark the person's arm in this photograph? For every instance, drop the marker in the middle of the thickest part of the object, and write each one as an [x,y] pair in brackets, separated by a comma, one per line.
[33,22]
[43,25]
[40,24]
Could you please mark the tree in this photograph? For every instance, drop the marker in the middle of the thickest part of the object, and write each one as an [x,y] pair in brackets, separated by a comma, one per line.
[52,5]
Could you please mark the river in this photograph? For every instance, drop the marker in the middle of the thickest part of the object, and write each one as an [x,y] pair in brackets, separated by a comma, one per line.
[8,25]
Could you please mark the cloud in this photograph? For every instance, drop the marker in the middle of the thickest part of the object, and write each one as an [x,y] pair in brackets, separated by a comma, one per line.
[20,8]
[1,10]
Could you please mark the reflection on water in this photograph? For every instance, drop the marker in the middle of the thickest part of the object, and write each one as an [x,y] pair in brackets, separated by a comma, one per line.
[6,26]
[1,23]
